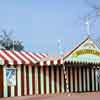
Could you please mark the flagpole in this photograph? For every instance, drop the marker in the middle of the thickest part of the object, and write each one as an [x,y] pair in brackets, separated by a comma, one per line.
[88,25]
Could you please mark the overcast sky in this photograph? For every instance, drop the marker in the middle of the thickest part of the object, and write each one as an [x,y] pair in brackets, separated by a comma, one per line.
[41,23]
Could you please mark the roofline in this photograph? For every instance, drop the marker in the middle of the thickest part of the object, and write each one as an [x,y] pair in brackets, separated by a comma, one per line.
[76,47]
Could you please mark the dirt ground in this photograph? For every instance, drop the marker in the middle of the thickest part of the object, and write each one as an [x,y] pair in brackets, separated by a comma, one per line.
[72,96]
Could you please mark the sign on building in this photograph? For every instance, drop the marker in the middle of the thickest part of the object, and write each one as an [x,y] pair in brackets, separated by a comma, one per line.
[11,76]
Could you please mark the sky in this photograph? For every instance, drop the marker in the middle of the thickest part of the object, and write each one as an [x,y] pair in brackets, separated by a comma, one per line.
[41,23]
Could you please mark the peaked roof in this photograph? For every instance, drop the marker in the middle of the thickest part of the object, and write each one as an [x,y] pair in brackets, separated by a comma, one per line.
[70,52]
[83,46]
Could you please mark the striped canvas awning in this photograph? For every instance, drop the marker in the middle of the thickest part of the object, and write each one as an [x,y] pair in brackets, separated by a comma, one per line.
[23,57]
[51,60]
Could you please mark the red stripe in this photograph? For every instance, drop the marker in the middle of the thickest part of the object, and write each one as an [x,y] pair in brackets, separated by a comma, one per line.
[33,79]
[22,80]
[43,55]
[59,61]
[31,56]
[16,85]
[52,62]
[44,70]
[26,58]
[39,84]
[37,56]
[15,62]
[45,63]
[55,74]
[9,91]
[27,79]
[1,81]
[23,62]
[5,60]
[50,79]
[60,78]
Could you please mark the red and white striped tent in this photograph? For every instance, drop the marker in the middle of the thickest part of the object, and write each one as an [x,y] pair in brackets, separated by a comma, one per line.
[32,73]
[17,58]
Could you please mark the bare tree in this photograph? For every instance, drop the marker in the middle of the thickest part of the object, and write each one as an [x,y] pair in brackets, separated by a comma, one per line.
[93,15]
[8,43]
